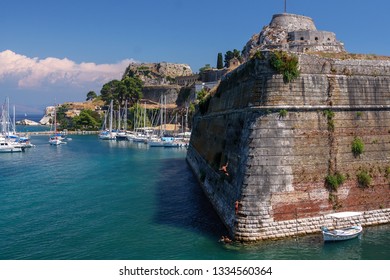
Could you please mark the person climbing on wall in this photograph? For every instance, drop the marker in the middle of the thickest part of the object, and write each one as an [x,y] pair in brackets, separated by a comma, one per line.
[224,169]
[236,205]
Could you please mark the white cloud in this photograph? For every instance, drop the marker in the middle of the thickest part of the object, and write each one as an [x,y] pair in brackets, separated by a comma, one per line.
[33,73]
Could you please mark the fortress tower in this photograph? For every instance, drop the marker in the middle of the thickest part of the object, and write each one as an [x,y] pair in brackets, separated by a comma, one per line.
[295,33]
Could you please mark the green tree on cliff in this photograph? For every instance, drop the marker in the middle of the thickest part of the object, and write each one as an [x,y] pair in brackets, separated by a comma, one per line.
[109,91]
[132,89]
[129,88]
[219,61]
[91,95]
[230,55]
[61,115]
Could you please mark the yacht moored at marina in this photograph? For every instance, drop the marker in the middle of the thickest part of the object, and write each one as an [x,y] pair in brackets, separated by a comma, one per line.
[7,146]
[55,139]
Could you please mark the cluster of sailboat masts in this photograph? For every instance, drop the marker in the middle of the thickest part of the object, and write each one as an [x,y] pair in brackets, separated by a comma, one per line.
[154,135]
[10,140]
[56,138]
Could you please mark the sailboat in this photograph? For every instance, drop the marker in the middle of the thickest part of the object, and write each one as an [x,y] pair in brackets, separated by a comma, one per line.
[108,134]
[140,133]
[122,133]
[21,139]
[160,140]
[55,139]
[156,140]
[8,141]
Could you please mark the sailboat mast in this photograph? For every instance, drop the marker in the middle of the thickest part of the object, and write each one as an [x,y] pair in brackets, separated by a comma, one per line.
[8,120]
[165,113]
[55,119]
[136,117]
[161,116]
[174,132]
[119,117]
[14,122]
[2,120]
[144,116]
[186,124]
[125,117]
[111,115]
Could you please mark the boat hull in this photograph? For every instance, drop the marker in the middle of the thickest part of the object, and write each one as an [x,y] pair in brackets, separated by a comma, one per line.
[341,234]
[11,150]
[10,147]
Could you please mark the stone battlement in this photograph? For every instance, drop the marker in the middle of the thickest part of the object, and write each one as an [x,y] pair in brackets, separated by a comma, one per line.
[295,33]
[292,22]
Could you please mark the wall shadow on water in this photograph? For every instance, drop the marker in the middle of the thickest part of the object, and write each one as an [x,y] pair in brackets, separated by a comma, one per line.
[181,201]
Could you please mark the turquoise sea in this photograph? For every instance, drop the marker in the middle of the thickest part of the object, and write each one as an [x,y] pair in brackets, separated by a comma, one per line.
[93,199]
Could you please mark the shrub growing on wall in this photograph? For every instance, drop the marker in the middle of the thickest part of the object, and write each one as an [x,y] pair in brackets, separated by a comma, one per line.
[285,64]
[282,113]
[334,181]
[364,179]
[203,101]
[357,146]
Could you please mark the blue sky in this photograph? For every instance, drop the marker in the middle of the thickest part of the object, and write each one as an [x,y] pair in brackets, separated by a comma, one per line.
[59,50]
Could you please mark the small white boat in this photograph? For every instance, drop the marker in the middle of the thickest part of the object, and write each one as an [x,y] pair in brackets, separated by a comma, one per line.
[341,234]
[107,135]
[121,136]
[9,147]
[55,141]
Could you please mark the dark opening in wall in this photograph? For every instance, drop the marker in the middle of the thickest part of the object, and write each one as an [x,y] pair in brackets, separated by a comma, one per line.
[316,38]
[302,38]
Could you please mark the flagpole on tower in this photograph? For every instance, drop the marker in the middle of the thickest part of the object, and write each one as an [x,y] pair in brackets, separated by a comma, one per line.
[285,6]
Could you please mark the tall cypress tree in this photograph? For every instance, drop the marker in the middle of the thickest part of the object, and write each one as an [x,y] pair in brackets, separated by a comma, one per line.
[219,61]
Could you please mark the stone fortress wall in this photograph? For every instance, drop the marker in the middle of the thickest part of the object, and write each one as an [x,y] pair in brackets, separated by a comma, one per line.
[281,140]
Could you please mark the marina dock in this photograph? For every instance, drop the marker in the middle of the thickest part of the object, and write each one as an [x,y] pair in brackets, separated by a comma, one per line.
[73,132]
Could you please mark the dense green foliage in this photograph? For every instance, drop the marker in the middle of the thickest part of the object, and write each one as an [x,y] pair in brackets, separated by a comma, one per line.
[87,120]
[219,61]
[334,181]
[285,64]
[91,95]
[200,95]
[283,113]
[230,55]
[203,101]
[364,179]
[357,146]
[61,116]
[129,88]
